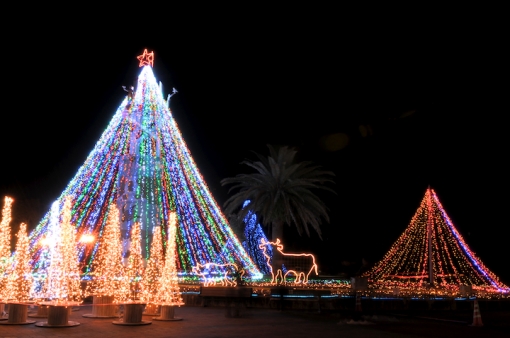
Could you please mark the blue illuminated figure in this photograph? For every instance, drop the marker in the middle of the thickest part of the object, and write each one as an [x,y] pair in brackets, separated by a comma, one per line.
[253,233]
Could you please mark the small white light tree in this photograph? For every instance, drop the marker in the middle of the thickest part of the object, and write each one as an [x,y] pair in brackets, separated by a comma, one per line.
[107,269]
[153,272]
[130,288]
[19,280]
[63,282]
[5,247]
[168,293]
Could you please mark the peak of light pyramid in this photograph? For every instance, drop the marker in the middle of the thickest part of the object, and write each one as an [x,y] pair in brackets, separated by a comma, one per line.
[431,251]
[142,165]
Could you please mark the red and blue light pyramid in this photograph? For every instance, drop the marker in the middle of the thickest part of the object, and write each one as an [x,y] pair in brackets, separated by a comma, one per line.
[431,252]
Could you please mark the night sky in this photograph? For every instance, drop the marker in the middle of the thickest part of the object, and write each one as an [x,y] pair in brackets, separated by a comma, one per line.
[390,106]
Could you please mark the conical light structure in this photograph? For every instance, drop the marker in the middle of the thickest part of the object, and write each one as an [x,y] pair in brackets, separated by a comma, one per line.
[19,281]
[5,244]
[431,252]
[5,234]
[63,282]
[135,268]
[141,163]
[107,269]
[131,286]
[167,290]
[154,266]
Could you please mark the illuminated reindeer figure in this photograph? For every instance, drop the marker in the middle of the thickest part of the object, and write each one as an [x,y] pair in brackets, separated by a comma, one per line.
[227,274]
[301,275]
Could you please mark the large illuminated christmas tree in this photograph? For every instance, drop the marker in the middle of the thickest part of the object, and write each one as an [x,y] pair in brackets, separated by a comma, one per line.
[141,163]
[432,253]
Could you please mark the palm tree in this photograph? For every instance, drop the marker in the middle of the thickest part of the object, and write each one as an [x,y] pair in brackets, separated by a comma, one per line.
[280,192]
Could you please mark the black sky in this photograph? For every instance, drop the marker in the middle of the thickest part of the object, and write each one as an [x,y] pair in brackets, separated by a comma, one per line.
[429,95]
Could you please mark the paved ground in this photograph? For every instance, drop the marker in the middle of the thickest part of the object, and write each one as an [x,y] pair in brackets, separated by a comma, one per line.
[213,322]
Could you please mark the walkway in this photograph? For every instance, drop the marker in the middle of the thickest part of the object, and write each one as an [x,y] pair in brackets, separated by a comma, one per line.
[211,322]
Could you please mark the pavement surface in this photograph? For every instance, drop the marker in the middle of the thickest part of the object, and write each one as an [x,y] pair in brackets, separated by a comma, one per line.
[217,322]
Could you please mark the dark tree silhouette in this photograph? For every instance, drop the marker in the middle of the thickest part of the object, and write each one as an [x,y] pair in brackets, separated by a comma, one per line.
[280,191]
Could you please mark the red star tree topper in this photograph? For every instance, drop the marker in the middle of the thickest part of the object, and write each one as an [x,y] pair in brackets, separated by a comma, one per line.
[146,59]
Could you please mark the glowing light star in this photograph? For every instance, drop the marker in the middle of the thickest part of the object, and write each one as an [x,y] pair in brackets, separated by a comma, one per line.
[146,59]
[301,265]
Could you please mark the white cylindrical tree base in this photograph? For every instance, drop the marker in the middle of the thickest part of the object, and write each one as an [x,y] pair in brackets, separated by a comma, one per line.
[151,310]
[167,313]
[2,312]
[103,307]
[18,313]
[132,315]
[42,312]
[58,316]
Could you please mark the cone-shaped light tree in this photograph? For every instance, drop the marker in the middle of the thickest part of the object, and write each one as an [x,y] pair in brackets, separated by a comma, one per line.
[142,164]
[63,283]
[131,287]
[107,269]
[19,280]
[5,244]
[432,252]
[46,247]
[5,234]
[168,292]
[154,267]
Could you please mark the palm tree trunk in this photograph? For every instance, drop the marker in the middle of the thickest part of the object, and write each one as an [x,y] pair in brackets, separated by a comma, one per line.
[277,233]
